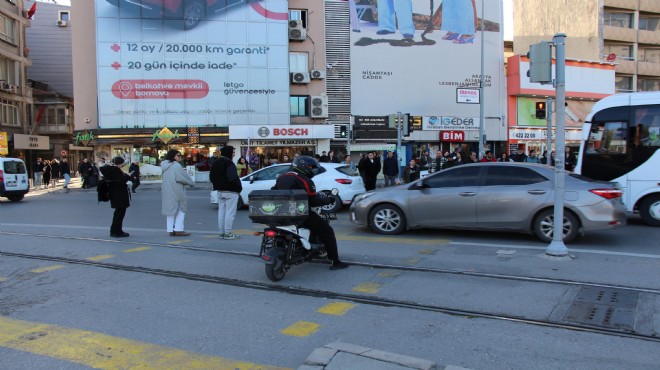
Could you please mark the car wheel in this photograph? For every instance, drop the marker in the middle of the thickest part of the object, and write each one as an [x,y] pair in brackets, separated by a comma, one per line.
[649,209]
[16,198]
[387,219]
[193,12]
[335,206]
[544,226]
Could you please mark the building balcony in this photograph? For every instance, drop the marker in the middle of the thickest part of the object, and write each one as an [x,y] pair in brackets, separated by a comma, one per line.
[621,4]
[649,37]
[620,34]
[625,66]
[648,6]
[648,69]
[54,129]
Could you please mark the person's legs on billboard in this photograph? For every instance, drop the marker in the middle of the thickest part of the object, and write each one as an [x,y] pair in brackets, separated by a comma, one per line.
[404,17]
[386,20]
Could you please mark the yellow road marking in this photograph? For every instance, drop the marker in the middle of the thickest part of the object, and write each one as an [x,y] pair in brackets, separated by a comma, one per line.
[212,236]
[2,278]
[367,287]
[301,329]
[138,249]
[180,241]
[336,308]
[411,261]
[388,273]
[428,251]
[392,240]
[101,257]
[47,268]
[101,351]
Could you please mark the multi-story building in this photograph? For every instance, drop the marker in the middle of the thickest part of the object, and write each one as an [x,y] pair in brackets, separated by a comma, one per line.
[624,32]
[15,94]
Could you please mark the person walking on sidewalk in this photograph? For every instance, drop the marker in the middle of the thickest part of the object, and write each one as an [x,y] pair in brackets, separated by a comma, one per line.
[390,169]
[119,196]
[47,173]
[226,182]
[173,192]
[134,173]
[65,169]
[38,171]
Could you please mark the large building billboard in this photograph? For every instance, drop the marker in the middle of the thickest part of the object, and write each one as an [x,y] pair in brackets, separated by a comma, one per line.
[409,58]
[192,63]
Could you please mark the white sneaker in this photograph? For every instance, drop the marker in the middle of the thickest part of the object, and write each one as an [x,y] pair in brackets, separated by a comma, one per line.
[230,236]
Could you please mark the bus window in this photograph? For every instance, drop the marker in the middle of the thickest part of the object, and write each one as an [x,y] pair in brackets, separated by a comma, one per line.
[647,120]
[608,138]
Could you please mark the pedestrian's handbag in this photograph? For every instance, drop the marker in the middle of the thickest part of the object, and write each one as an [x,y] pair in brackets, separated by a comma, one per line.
[103,191]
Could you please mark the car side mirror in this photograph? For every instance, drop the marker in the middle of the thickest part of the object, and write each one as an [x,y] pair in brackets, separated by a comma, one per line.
[418,185]
[251,179]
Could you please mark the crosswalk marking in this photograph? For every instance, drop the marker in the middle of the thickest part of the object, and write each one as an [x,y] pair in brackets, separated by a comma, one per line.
[101,257]
[47,268]
[367,287]
[301,329]
[181,241]
[336,308]
[138,249]
[102,351]
[388,274]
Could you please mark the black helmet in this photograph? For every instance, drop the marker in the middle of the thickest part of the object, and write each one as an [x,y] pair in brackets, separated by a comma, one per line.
[308,166]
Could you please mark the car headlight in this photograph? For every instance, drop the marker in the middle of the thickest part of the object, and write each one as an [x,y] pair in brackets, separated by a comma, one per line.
[364,196]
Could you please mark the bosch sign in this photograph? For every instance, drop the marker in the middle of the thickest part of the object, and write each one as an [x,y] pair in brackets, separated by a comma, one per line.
[290,132]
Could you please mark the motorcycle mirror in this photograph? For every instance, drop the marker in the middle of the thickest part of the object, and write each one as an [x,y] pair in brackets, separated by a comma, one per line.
[334,191]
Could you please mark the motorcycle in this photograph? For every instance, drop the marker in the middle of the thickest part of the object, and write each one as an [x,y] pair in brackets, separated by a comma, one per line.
[284,246]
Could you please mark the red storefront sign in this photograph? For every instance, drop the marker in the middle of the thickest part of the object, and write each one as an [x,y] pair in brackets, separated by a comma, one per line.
[452,136]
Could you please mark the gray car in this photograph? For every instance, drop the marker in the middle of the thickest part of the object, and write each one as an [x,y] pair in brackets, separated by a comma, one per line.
[492,196]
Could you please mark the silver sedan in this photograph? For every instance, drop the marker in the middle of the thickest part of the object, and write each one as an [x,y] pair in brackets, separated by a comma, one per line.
[492,196]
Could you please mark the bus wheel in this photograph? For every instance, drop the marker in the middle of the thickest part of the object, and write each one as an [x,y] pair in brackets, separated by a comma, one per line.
[650,210]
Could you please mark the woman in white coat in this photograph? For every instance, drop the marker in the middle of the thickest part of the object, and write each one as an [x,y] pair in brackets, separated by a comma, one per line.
[173,192]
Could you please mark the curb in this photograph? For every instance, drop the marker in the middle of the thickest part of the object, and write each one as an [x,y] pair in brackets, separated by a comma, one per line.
[346,356]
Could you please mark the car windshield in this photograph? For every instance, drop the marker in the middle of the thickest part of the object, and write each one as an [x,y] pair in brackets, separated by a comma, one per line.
[347,170]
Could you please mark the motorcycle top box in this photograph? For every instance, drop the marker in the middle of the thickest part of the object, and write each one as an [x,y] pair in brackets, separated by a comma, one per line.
[278,207]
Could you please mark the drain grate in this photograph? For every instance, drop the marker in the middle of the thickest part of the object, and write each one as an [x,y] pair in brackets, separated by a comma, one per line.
[604,307]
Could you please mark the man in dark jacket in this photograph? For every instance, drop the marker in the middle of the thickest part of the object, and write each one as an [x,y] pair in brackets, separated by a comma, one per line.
[390,169]
[300,177]
[228,185]
[370,167]
[119,196]
[86,170]
[38,171]
[134,173]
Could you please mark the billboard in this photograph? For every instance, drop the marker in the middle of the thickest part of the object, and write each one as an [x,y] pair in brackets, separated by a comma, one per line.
[409,58]
[208,63]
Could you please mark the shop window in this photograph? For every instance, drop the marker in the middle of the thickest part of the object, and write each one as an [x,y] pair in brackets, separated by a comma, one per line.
[299,105]
[618,19]
[298,15]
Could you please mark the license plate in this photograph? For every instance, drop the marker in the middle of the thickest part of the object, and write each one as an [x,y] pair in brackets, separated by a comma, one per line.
[11,184]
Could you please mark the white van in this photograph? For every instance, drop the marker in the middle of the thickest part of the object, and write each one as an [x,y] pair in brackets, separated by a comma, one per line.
[14,182]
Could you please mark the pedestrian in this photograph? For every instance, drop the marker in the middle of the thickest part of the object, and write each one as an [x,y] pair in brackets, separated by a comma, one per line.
[119,195]
[473,158]
[47,173]
[532,158]
[38,171]
[242,168]
[214,157]
[134,173]
[65,169]
[285,159]
[570,160]
[371,168]
[323,158]
[332,158]
[254,161]
[226,182]
[458,159]
[173,193]
[55,171]
[85,170]
[504,158]
[544,157]
[390,169]
[411,173]
[440,161]
[488,157]
[425,161]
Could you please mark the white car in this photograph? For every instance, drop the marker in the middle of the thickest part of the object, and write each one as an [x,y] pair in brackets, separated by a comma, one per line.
[333,176]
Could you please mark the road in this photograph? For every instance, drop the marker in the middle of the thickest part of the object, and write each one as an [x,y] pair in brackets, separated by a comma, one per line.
[72,297]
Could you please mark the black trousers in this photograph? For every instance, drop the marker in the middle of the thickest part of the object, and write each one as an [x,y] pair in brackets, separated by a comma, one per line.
[369,183]
[85,183]
[117,221]
[324,232]
[136,183]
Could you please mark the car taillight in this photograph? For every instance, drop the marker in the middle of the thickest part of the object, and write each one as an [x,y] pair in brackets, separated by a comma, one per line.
[270,233]
[344,181]
[2,176]
[607,193]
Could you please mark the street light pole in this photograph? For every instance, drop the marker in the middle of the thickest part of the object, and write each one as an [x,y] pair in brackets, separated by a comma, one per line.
[482,123]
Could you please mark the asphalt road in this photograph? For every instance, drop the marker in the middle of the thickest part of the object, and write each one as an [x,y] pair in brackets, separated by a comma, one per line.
[63,313]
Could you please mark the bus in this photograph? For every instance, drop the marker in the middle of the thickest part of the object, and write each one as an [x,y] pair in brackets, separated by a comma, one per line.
[621,143]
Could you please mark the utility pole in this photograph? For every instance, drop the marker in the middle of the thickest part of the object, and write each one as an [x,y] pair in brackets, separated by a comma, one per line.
[399,129]
[548,117]
[482,119]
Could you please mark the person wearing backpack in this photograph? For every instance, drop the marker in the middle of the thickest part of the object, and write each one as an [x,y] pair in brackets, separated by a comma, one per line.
[119,195]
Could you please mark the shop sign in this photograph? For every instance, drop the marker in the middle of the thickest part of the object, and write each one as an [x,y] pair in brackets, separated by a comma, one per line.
[540,134]
[275,132]
[165,135]
[452,136]
[450,123]
[300,142]
[467,96]
[31,142]
[83,137]
[4,143]
[371,121]
[372,147]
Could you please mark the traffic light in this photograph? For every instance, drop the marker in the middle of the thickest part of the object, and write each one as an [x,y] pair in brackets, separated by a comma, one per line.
[343,131]
[540,110]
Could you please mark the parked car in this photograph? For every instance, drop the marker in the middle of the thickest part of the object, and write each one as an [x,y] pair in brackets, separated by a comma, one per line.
[14,182]
[331,176]
[492,196]
[190,11]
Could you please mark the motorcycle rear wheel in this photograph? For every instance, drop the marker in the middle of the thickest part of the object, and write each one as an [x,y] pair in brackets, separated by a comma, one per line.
[275,274]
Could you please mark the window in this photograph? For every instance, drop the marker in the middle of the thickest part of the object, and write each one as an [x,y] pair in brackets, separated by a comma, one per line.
[299,105]
[647,127]
[618,19]
[7,29]
[509,175]
[9,112]
[649,23]
[298,62]
[50,117]
[648,84]
[623,83]
[621,51]
[8,70]
[649,55]
[298,15]
[609,138]
[462,176]
[61,116]
[64,15]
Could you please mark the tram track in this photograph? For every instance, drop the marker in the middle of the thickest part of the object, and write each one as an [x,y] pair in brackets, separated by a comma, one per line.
[356,298]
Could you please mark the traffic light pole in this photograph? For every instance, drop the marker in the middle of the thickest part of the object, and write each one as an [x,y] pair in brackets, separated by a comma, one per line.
[399,128]
[548,117]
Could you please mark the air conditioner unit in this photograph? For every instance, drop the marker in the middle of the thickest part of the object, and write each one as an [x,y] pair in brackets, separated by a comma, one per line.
[295,23]
[13,89]
[4,85]
[297,34]
[62,23]
[319,107]
[299,77]
[317,74]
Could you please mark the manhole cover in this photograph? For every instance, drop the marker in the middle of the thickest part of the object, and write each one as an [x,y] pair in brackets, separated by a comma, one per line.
[604,307]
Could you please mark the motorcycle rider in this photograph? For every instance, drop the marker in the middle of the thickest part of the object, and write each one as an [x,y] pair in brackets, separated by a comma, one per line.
[303,168]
